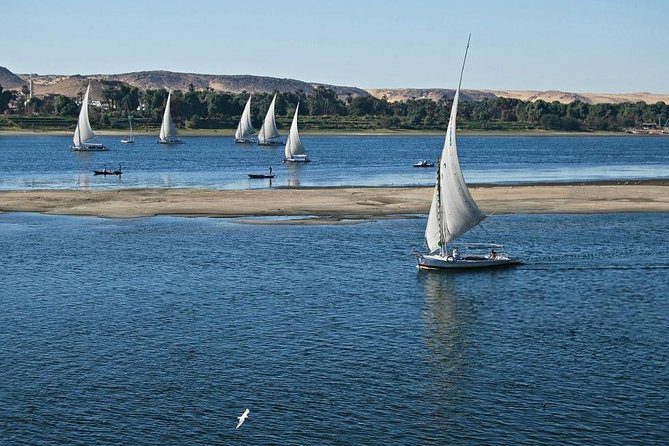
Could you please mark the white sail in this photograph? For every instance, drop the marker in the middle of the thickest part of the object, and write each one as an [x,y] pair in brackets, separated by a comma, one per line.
[293,144]
[433,229]
[268,129]
[83,132]
[245,127]
[453,211]
[167,129]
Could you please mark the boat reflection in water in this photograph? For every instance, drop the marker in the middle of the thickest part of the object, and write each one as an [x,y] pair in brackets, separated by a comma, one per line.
[447,317]
[294,170]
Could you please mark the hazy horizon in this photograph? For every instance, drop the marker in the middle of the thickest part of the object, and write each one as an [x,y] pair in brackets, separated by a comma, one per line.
[590,46]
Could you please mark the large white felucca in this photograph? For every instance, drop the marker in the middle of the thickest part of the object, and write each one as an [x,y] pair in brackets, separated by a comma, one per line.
[294,151]
[245,131]
[168,132]
[84,133]
[454,212]
[268,132]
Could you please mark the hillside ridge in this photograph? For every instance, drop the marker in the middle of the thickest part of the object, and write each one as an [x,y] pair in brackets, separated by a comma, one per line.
[71,85]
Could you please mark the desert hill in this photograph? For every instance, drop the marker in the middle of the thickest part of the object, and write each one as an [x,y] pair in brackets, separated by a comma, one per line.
[72,85]
[9,80]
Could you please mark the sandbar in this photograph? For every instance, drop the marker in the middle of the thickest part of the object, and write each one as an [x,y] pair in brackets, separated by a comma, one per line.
[333,204]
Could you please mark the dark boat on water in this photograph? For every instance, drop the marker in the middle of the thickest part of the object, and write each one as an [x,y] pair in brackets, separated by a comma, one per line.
[106,171]
[262,175]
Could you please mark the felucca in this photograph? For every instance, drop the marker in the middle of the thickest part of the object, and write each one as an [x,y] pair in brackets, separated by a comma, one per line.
[168,132]
[130,139]
[294,151]
[268,131]
[83,133]
[245,131]
[454,212]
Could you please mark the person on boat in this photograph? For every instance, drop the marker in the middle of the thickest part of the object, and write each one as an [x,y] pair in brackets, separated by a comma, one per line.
[456,253]
[492,255]
[270,170]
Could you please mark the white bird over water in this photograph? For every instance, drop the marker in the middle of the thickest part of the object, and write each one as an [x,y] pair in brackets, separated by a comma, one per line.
[242,418]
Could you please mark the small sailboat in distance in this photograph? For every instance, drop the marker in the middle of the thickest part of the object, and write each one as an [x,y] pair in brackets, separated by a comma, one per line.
[294,151]
[268,132]
[83,133]
[245,127]
[453,211]
[130,139]
[168,132]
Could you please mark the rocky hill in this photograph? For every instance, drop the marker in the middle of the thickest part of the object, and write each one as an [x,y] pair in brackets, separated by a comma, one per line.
[72,85]
[75,84]
[9,80]
[435,94]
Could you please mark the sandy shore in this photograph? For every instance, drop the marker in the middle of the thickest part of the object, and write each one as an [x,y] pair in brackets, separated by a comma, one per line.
[334,204]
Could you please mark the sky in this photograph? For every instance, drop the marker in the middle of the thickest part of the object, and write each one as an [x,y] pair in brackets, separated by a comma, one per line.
[599,46]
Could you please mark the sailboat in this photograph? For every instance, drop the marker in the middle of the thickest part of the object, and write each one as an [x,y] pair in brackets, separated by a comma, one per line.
[168,132]
[268,131]
[84,133]
[453,211]
[294,151]
[130,139]
[245,127]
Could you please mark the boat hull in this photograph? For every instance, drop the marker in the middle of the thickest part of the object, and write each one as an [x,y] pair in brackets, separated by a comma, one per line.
[170,141]
[259,175]
[270,143]
[437,262]
[297,159]
[90,148]
[423,164]
[246,141]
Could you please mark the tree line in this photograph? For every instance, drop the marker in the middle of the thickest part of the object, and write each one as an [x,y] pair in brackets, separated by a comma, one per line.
[324,109]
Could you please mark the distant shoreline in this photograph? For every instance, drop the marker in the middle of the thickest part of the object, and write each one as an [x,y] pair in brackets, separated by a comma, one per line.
[335,204]
[382,132]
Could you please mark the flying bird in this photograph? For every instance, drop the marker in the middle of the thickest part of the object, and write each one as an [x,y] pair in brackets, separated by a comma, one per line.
[242,418]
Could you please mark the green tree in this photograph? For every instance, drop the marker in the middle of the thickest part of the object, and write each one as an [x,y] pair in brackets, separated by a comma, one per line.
[5,97]
[64,106]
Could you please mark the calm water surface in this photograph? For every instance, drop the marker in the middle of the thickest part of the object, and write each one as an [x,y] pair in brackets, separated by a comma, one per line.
[35,162]
[162,330]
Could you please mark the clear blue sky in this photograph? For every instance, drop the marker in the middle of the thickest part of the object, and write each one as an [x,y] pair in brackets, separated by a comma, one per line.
[579,46]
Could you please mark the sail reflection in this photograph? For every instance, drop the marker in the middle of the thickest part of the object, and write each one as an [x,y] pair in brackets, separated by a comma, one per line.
[293,170]
[446,318]
[83,181]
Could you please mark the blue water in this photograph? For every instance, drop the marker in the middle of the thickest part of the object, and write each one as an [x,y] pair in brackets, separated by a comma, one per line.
[38,162]
[163,330]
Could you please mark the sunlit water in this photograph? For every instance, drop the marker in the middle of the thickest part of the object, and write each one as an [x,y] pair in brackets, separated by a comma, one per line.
[34,162]
[163,330]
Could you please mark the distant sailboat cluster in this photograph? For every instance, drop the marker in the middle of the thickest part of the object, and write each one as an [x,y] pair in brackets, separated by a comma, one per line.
[83,133]
[268,133]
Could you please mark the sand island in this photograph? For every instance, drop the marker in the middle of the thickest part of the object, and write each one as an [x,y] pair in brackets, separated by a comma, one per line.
[337,203]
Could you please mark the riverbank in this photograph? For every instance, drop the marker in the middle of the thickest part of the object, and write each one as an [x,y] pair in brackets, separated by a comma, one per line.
[324,132]
[335,204]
